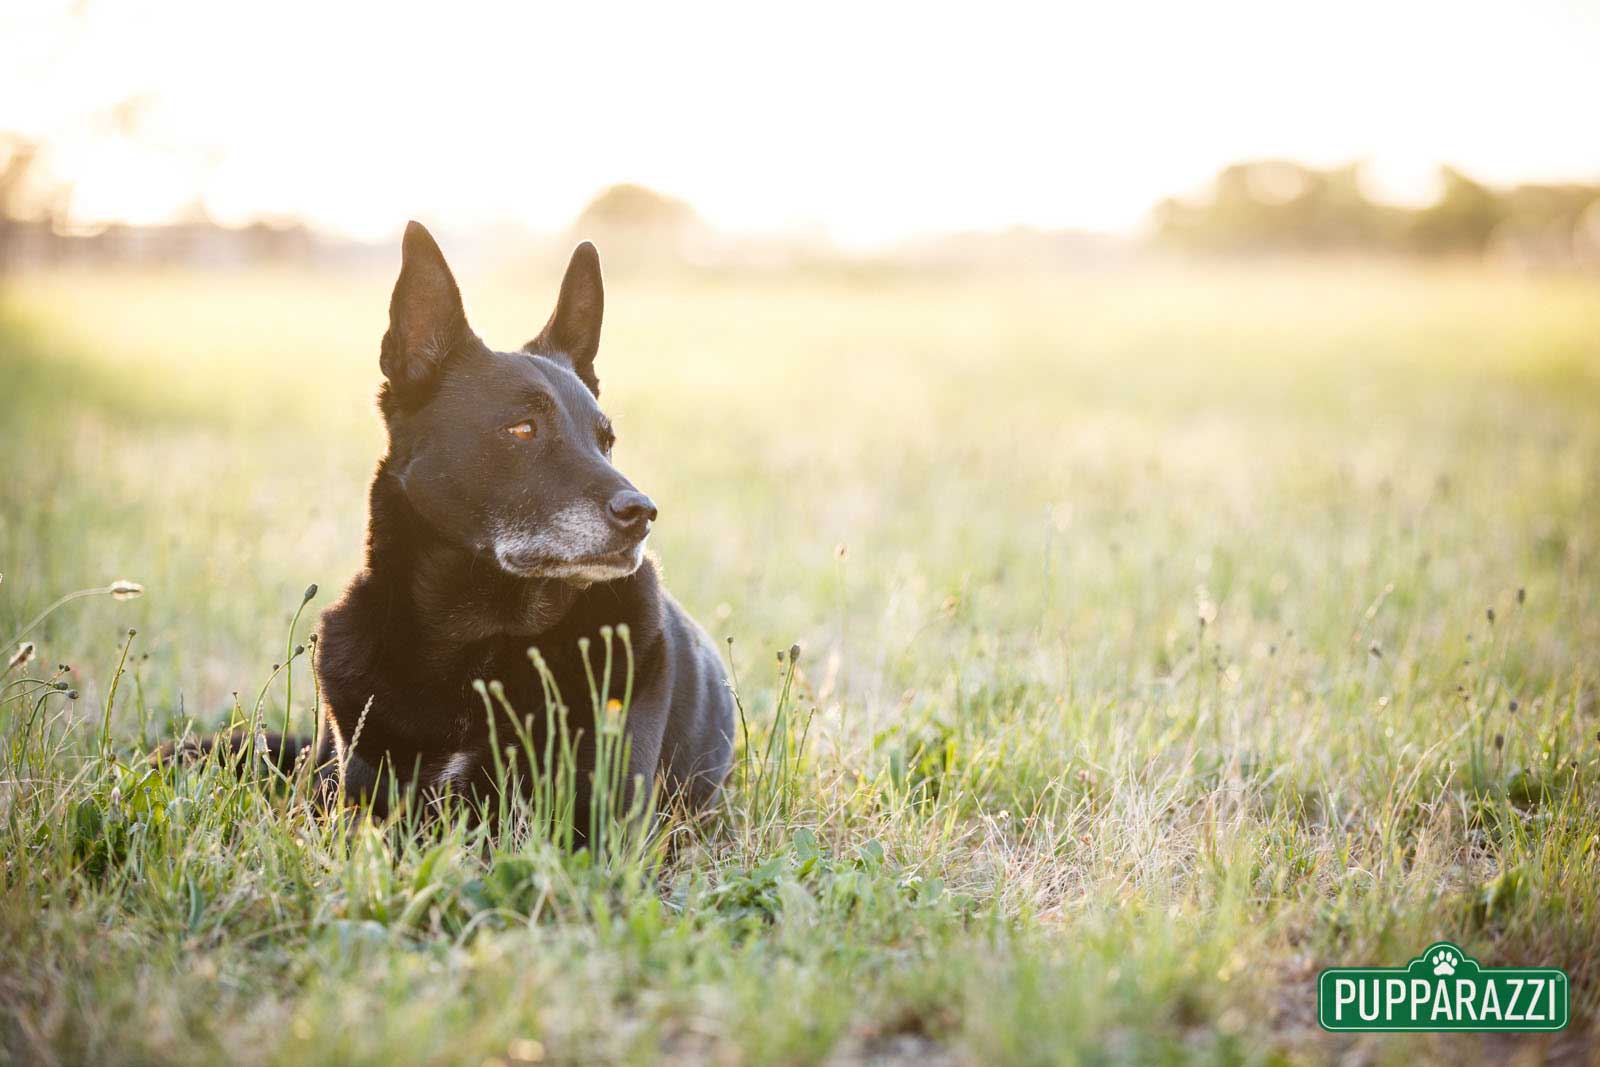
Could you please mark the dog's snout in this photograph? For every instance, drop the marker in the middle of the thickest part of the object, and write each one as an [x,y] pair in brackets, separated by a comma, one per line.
[631,508]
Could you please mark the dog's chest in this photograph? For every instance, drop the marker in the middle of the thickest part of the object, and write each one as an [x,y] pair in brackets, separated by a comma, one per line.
[502,701]
[521,711]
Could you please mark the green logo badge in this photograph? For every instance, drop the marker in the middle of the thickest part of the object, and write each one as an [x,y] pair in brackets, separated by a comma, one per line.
[1442,989]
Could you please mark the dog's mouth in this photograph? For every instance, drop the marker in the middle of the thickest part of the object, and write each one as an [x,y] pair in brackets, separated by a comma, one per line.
[599,567]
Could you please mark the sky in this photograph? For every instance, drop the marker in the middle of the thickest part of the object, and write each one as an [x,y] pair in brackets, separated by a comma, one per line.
[870,122]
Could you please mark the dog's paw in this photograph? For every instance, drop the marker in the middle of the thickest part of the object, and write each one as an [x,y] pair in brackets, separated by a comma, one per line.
[1444,963]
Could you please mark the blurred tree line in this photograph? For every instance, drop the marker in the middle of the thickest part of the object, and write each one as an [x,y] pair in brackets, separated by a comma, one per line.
[1283,206]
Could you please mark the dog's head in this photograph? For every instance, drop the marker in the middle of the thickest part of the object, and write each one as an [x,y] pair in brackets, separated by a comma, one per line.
[508,453]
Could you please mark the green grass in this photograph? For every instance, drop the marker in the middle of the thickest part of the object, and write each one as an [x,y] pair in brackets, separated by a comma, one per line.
[1041,814]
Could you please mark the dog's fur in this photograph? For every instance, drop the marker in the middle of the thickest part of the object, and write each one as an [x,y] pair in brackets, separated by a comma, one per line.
[498,523]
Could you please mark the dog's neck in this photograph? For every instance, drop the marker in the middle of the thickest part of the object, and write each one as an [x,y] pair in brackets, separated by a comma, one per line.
[461,598]
[456,597]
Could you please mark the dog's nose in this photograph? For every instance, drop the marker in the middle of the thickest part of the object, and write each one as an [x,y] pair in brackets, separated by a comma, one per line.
[631,508]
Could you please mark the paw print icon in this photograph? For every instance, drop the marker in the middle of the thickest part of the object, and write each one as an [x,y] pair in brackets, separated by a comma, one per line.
[1444,963]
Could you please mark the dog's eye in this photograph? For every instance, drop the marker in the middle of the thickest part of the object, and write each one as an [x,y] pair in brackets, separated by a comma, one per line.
[522,431]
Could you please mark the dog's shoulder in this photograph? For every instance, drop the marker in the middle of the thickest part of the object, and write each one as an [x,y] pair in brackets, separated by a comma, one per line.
[350,639]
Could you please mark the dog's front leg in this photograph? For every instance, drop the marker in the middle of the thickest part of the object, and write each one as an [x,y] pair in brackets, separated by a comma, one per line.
[647,723]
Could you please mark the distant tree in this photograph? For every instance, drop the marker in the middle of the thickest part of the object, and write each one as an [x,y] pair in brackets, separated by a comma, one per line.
[1463,219]
[31,196]
[1278,205]
[631,211]
[635,225]
[1550,224]
[17,158]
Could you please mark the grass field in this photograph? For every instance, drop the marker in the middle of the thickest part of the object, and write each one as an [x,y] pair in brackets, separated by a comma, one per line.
[1171,636]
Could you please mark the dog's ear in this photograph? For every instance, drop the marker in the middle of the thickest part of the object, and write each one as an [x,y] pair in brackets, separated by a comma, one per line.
[426,319]
[574,327]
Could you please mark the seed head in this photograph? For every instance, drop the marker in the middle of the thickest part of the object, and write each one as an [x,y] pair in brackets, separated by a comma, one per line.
[794,653]
[1514,705]
[1489,613]
[1499,741]
[840,551]
[311,591]
[72,694]
[123,589]
[1375,650]
[526,1050]
[23,655]
[1522,595]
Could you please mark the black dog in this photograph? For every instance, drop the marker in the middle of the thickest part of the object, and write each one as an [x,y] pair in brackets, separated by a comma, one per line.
[498,523]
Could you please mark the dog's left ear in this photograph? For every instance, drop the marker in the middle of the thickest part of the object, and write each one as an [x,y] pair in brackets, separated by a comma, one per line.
[574,327]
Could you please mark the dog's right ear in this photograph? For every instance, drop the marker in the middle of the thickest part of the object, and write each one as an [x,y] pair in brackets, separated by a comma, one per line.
[426,319]
[573,332]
